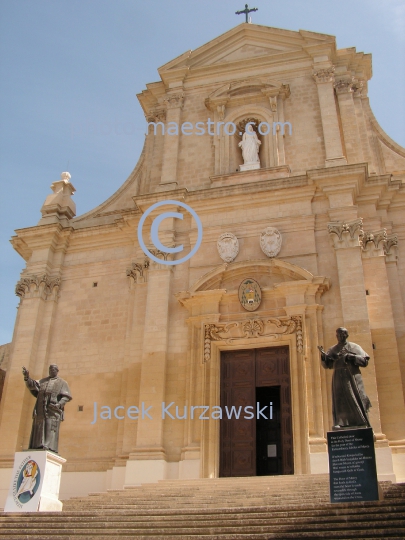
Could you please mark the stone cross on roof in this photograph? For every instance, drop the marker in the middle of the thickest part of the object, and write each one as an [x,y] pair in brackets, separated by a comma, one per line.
[246,11]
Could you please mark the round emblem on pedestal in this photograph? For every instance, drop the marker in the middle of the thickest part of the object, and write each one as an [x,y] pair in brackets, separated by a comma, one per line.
[250,294]
[28,481]
[270,241]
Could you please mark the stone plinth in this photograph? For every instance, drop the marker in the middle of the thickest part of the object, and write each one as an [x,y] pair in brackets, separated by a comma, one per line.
[35,482]
[249,166]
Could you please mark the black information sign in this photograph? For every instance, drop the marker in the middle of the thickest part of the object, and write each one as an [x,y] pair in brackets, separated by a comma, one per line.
[352,468]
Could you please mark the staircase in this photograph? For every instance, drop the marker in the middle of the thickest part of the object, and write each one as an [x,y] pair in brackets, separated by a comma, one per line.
[273,507]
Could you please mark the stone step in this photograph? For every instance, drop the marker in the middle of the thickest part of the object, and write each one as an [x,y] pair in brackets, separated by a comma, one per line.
[211,492]
[334,530]
[154,492]
[222,487]
[136,507]
[320,494]
[139,507]
[355,509]
[219,510]
[203,521]
[333,535]
[352,511]
[195,498]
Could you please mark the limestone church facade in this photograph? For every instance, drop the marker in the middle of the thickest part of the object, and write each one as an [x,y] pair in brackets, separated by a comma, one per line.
[308,238]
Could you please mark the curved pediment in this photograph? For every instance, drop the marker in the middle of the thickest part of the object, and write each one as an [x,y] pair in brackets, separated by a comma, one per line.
[270,272]
[230,89]
[245,90]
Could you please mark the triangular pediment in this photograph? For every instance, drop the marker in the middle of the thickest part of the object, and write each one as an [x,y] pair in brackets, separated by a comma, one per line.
[244,43]
[246,51]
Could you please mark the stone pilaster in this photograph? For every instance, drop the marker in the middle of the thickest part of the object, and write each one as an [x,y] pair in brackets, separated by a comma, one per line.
[315,384]
[148,460]
[276,98]
[174,104]
[137,284]
[153,151]
[390,250]
[347,240]
[344,87]
[44,248]
[398,309]
[383,334]
[359,97]
[154,355]
[324,79]
[284,94]
[38,294]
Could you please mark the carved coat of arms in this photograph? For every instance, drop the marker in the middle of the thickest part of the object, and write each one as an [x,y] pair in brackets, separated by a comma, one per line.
[228,247]
[250,294]
[270,241]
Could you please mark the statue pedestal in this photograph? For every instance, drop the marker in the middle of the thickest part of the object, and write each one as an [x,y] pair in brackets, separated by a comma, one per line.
[35,482]
[250,166]
[352,466]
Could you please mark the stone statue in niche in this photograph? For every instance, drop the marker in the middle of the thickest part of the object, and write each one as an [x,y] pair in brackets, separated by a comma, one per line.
[52,394]
[350,404]
[270,241]
[228,247]
[250,145]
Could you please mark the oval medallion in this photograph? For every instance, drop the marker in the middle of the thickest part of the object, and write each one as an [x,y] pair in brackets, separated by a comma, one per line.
[228,247]
[28,482]
[270,241]
[250,294]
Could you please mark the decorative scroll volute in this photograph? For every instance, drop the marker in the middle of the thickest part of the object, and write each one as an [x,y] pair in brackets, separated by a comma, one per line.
[374,243]
[324,75]
[174,101]
[137,272]
[156,114]
[379,243]
[42,286]
[348,85]
[376,238]
[344,85]
[271,327]
[346,234]
[390,242]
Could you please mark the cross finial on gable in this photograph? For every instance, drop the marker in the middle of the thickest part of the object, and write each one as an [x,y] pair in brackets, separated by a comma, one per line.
[246,11]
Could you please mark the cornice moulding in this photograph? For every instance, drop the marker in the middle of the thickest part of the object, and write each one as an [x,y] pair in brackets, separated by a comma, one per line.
[252,229]
[143,202]
[357,171]
[224,199]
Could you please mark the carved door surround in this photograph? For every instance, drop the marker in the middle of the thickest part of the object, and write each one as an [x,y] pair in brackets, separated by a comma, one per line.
[236,101]
[296,325]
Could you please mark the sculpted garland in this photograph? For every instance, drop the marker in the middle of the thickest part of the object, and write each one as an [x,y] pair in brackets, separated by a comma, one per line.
[253,328]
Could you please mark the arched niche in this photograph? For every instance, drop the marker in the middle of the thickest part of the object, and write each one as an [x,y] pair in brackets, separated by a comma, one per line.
[230,155]
[259,98]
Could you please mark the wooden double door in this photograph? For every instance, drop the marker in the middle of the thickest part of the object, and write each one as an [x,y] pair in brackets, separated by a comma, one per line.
[256,425]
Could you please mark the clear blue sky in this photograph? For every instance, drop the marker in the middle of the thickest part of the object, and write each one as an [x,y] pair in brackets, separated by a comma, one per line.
[70,71]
